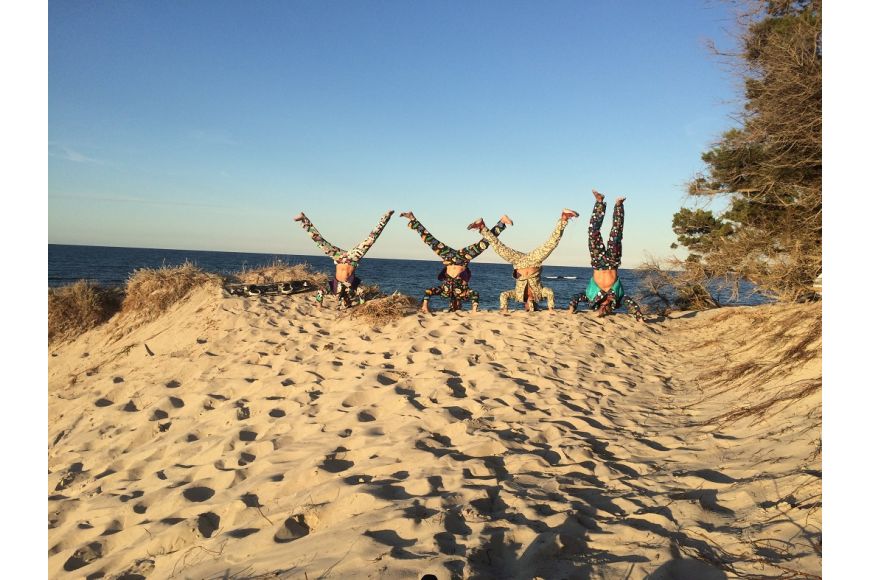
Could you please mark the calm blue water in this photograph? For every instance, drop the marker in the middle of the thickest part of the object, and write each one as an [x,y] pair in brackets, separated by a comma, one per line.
[112,266]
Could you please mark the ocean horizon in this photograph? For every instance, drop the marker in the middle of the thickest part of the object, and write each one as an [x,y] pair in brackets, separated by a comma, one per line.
[112,266]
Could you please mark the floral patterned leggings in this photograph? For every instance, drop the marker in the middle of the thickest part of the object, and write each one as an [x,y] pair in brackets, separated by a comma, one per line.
[339,256]
[532,259]
[608,258]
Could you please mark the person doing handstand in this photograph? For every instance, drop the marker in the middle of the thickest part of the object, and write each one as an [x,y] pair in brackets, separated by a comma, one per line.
[345,286]
[604,291]
[456,274]
[527,267]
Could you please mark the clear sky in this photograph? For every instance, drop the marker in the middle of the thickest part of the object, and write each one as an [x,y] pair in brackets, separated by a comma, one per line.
[208,125]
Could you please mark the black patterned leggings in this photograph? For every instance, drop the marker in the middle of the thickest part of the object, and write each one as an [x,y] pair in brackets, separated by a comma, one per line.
[608,258]
[447,254]
[455,291]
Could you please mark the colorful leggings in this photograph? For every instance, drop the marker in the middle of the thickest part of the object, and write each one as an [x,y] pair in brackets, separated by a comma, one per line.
[459,257]
[338,255]
[455,291]
[536,292]
[630,305]
[345,292]
[533,259]
[606,258]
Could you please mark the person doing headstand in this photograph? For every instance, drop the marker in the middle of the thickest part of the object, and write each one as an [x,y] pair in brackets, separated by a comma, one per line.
[604,291]
[345,286]
[456,274]
[527,267]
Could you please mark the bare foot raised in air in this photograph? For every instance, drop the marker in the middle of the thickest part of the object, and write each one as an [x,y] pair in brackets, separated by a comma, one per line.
[477,224]
[408,214]
[568,214]
[619,200]
[506,220]
[598,196]
[300,217]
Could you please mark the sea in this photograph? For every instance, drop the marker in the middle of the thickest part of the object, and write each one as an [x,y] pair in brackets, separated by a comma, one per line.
[112,266]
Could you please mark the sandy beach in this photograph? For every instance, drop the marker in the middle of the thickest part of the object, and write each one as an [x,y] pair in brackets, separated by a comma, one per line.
[261,438]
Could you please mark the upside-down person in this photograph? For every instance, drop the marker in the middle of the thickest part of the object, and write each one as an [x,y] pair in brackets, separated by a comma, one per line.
[455,275]
[604,292]
[527,267]
[345,286]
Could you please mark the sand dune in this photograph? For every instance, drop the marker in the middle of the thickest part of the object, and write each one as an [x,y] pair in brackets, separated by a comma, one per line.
[249,438]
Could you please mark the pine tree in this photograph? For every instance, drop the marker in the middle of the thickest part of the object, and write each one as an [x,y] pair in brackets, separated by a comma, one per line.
[770,168]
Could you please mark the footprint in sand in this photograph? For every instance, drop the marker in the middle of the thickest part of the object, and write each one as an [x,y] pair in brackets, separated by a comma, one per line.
[246,458]
[130,407]
[176,402]
[173,384]
[276,413]
[113,528]
[103,403]
[242,532]
[335,464]
[365,417]
[117,380]
[136,494]
[139,570]
[84,556]
[245,435]
[251,500]
[357,399]
[293,528]
[198,494]
[208,523]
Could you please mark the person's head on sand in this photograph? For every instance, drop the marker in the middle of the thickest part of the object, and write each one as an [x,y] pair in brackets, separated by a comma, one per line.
[607,306]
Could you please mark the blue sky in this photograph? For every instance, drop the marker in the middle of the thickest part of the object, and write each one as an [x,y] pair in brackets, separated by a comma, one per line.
[208,125]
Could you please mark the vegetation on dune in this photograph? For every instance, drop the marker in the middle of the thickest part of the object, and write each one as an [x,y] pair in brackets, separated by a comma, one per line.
[768,170]
[384,309]
[151,291]
[76,308]
[279,271]
[81,306]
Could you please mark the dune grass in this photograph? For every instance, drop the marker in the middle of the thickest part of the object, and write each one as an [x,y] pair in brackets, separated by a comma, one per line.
[151,291]
[79,307]
[76,308]
[279,271]
[385,309]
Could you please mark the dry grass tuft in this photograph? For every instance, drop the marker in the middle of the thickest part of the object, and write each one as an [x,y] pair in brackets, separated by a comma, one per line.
[76,308]
[765,346]
[384,310]
[760,410]
[279,271]
[151,291]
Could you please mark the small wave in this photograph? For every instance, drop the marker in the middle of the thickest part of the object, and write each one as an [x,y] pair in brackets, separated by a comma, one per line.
[560,277]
